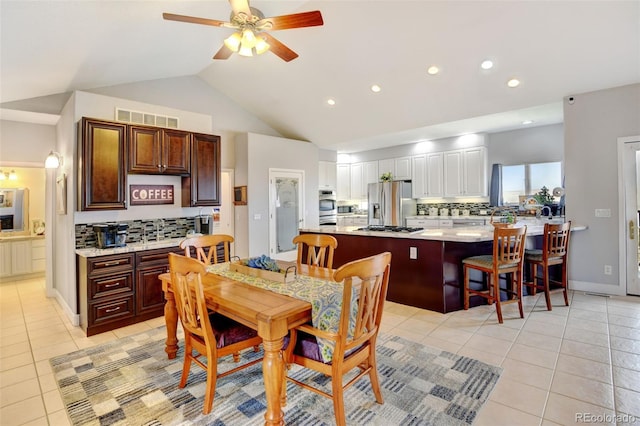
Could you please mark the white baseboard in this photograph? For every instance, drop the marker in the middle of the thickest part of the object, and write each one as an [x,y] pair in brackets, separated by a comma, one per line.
[73,317]
[589,287]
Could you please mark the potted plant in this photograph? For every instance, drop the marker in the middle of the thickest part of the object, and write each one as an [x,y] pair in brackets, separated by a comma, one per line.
[544,197]
[386,177]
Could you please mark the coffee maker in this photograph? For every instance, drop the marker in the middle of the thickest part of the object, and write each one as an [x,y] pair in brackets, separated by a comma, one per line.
[109,235]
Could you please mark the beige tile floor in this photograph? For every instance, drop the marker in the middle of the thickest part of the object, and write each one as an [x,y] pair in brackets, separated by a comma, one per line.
[581,360]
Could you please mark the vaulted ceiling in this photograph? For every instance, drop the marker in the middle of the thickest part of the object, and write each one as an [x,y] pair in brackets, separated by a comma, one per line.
[555,48]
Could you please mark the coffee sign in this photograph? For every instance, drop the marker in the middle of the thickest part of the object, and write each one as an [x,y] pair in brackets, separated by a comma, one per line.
[140,195]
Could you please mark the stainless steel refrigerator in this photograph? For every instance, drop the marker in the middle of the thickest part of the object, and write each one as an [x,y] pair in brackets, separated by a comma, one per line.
[390,203]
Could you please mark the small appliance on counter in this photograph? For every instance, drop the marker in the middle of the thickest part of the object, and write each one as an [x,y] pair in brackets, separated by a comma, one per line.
[109,235]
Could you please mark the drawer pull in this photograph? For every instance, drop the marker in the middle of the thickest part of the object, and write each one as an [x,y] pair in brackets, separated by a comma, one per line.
[111,285]
[114,263]
[108,311]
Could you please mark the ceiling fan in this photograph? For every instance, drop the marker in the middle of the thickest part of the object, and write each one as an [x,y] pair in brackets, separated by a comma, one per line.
[252,30]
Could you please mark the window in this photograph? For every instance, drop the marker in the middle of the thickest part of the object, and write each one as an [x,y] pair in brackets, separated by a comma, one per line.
[527,179]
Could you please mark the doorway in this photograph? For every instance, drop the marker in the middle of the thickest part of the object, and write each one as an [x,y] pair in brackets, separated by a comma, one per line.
[629,162]
[286,207]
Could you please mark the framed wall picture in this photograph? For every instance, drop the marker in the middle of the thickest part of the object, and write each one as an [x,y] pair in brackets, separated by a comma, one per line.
[240,195]
[61,194]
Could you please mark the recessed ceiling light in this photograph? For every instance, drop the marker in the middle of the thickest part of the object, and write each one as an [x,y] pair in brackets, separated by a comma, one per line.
[433,70]
[331,101]
[375,88]
[527,122]
[514,82]
[486,64]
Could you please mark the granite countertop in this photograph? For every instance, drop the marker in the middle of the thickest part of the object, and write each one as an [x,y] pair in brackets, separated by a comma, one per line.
[17,236]
[464,234]
[470,217]
[129,248]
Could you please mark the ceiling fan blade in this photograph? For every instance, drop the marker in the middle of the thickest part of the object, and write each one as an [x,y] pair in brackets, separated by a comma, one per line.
[195,20]
[296,20]
[278,48]
[240,6]
[223,53]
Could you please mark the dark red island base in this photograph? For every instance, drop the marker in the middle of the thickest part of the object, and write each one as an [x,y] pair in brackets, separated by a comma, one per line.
[433,280]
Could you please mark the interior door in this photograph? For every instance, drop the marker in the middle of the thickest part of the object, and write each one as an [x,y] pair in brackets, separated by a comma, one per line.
[286,207]
[631,181]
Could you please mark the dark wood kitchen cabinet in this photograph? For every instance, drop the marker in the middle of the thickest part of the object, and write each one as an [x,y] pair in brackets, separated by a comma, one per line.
[202,186]
[149,295]
[106,292]
[121,289]
[154,150]
[102,164]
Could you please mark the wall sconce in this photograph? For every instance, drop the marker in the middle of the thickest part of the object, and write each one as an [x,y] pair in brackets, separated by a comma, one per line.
[53,161]
[8,175]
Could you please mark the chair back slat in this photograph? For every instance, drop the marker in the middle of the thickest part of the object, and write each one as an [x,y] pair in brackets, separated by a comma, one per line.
[508,245]
[370,276]
[556,239]
[319,249]
[206,247]
[186,279]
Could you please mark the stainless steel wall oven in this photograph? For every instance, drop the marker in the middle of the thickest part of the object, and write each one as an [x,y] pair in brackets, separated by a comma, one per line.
[327,207]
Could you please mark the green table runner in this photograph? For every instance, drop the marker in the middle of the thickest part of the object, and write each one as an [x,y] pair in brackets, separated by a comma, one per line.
[325,298]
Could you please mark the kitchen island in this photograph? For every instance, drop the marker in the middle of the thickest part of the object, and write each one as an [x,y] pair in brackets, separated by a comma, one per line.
[426,268]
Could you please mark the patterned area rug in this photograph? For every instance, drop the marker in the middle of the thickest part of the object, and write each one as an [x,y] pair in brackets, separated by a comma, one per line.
[131,382]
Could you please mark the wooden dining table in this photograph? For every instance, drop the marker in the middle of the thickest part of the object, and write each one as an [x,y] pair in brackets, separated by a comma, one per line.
[271,314]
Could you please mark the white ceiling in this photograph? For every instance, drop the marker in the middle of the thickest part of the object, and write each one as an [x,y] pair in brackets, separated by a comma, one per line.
[556,48]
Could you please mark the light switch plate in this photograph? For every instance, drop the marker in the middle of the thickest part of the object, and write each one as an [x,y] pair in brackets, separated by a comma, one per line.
[603,212]
[257,216]
[413,252]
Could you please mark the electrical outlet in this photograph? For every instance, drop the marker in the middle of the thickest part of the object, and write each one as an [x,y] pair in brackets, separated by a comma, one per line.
[607,269]
[413,252]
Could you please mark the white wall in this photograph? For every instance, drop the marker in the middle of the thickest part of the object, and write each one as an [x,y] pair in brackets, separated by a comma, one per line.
[15,136]
[533,145]
[592,124]
[265,152]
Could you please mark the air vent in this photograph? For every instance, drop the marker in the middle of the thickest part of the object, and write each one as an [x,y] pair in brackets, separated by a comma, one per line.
[146,118]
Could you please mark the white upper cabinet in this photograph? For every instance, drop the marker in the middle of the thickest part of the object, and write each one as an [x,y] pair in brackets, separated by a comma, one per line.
[327,178]
[475,171]
[427,175]
[435,174]
[419,178]
[371,174]
[453,173]
[465,172]
[402,168]
[358,191]
[343,184]
[386,166]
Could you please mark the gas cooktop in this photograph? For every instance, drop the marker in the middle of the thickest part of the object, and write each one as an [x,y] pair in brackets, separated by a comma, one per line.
[388,228]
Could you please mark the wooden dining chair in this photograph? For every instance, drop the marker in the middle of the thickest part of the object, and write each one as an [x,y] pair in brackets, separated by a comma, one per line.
[353,348]
[206,247]
[555,249]
[319,249]
[507,258]
[206,335]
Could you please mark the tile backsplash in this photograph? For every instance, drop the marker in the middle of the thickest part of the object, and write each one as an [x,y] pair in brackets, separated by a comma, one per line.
[473,207]
[171,228]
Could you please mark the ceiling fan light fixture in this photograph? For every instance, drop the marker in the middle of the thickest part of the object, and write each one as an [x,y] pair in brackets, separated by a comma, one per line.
[245,51]
[233,41]
[261,45]
[248,38]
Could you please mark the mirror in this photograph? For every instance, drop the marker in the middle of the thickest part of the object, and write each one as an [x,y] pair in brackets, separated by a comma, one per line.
[14,209]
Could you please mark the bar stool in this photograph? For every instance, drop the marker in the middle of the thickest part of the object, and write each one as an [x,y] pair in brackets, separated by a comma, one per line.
[507,258]
[555,247]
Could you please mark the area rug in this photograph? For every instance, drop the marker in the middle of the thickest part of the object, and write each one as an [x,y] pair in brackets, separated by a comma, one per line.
[131,382]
